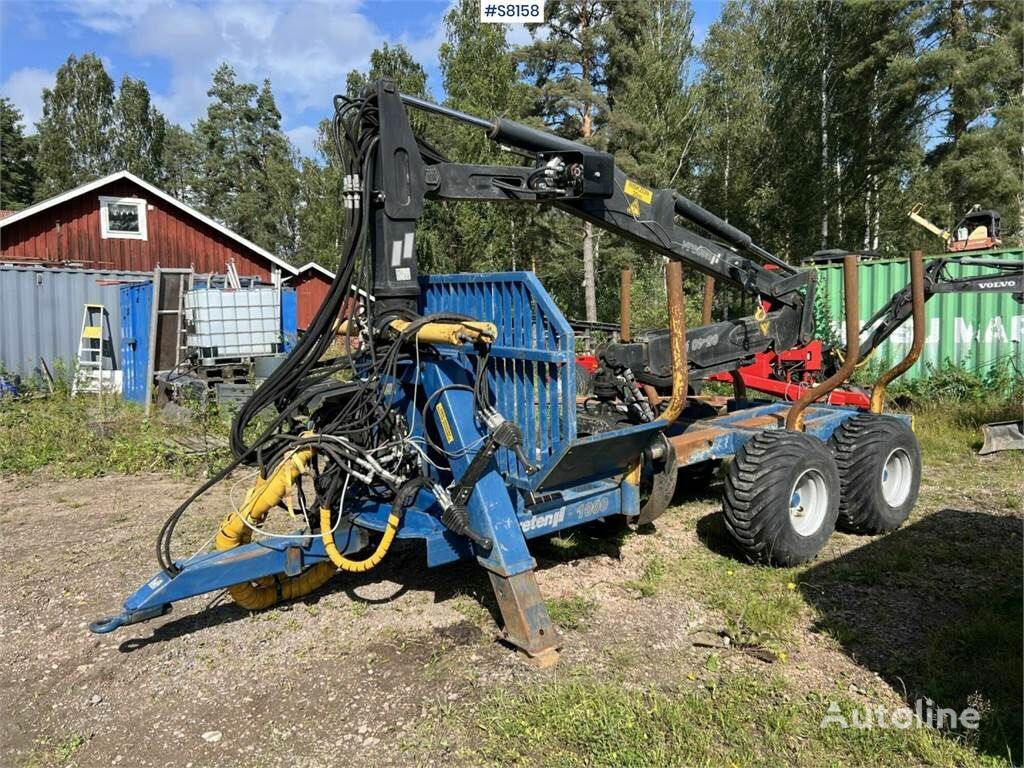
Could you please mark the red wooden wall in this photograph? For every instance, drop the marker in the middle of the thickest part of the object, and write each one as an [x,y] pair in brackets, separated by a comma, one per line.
[310,291]
[70,232]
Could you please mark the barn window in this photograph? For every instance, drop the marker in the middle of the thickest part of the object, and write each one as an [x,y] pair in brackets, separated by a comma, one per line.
[123,217]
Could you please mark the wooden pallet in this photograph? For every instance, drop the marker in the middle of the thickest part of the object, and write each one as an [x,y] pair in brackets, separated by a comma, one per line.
[231,374]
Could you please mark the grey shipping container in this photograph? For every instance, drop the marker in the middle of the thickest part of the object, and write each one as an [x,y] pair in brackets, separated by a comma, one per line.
[41,313]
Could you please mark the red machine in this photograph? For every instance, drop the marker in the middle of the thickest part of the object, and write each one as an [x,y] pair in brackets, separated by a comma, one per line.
[790,373]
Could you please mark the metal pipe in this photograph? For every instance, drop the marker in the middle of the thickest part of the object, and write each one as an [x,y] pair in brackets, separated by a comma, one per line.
[917,307]
[795,417]
[453,114]
[625,305]
[709,298]
[677,339]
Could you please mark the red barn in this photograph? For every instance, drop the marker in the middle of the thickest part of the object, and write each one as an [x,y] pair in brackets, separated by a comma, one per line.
[121,223]
[311,285]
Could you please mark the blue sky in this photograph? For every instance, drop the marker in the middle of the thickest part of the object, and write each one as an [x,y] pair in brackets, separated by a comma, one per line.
[306,48]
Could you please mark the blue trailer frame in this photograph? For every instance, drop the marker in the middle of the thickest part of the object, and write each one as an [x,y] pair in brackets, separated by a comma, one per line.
[531,372]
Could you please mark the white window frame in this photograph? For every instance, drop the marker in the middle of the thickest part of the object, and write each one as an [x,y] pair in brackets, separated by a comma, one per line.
[105,231]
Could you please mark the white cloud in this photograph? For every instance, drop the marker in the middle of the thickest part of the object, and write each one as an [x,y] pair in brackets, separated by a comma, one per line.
[522,34]
[305,49]
[111,18]
[303,137]
[24,87]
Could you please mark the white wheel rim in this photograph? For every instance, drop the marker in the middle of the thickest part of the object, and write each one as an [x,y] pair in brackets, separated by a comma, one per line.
[897,475]
[808,502]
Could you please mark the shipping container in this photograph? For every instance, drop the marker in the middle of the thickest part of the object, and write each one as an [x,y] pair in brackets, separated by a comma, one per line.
[976,331]
[41,314]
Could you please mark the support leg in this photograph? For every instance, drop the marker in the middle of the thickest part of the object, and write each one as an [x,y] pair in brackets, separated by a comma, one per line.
[525,616]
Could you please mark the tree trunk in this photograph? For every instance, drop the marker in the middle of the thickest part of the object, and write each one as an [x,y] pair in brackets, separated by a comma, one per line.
[825,164]
[589,271]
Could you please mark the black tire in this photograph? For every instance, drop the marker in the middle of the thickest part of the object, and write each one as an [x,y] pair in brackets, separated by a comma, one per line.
[761,489]
[879,462]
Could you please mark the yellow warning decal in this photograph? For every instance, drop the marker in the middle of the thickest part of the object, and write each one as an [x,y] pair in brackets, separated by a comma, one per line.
[445,426]
[634,208]
[635,190]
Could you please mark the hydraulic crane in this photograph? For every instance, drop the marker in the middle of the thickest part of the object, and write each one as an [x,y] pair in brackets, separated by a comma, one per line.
[454,419]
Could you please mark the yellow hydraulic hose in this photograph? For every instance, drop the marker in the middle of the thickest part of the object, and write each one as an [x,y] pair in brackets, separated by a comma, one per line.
[452,334]
[264,496]
[356,566]
[234,532]
[268,591]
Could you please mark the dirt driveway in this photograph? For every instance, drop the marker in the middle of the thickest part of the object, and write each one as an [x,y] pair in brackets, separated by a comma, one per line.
[394,666]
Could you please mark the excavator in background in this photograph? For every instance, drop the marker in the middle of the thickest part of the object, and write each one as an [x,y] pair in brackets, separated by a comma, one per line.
[978,230]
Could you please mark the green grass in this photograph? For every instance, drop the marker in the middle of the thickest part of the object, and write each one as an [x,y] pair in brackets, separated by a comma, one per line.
[738,720]
[73,437]
[652,576]
[570,612]
[55,754]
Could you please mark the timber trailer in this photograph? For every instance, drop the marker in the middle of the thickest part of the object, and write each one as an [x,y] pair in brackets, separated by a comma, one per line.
[454,418]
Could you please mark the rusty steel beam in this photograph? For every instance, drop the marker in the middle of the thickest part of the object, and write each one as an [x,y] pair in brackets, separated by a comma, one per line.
[917,305]
[795,418]
[677,339]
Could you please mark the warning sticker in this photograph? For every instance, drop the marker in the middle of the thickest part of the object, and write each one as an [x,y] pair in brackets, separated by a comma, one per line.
[445,426]
[636,190]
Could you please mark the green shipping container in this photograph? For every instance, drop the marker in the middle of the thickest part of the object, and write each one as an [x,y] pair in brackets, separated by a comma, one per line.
[974,330]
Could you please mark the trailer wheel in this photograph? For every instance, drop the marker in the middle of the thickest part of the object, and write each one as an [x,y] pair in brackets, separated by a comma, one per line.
[879,463]
[781,497]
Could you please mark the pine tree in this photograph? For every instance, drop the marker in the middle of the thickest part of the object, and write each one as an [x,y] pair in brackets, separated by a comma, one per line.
[248,175]
[75,129]
[653,123]
[970,64]
[480,77]
[321,213]
[17,165]
[180,165]
[653,127]
[574,72]
[138,131]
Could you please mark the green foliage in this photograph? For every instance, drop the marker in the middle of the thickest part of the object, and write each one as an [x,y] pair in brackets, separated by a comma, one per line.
[17,166]
[807,124]
[87,131]
[950,383]
[74,131]
[138,132]
[180,164]
[72,437]
[249,178]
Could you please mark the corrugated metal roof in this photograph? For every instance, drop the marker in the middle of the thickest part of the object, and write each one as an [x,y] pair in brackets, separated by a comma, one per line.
[41,313]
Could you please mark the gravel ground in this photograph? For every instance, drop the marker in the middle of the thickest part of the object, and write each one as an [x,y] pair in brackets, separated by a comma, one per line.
[370,668]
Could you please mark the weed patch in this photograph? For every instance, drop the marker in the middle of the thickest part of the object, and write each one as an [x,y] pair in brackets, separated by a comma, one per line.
[570,612]
[71,437]
[736,720]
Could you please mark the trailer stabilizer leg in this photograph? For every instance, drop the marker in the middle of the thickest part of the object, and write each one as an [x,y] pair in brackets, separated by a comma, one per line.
[527,624]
